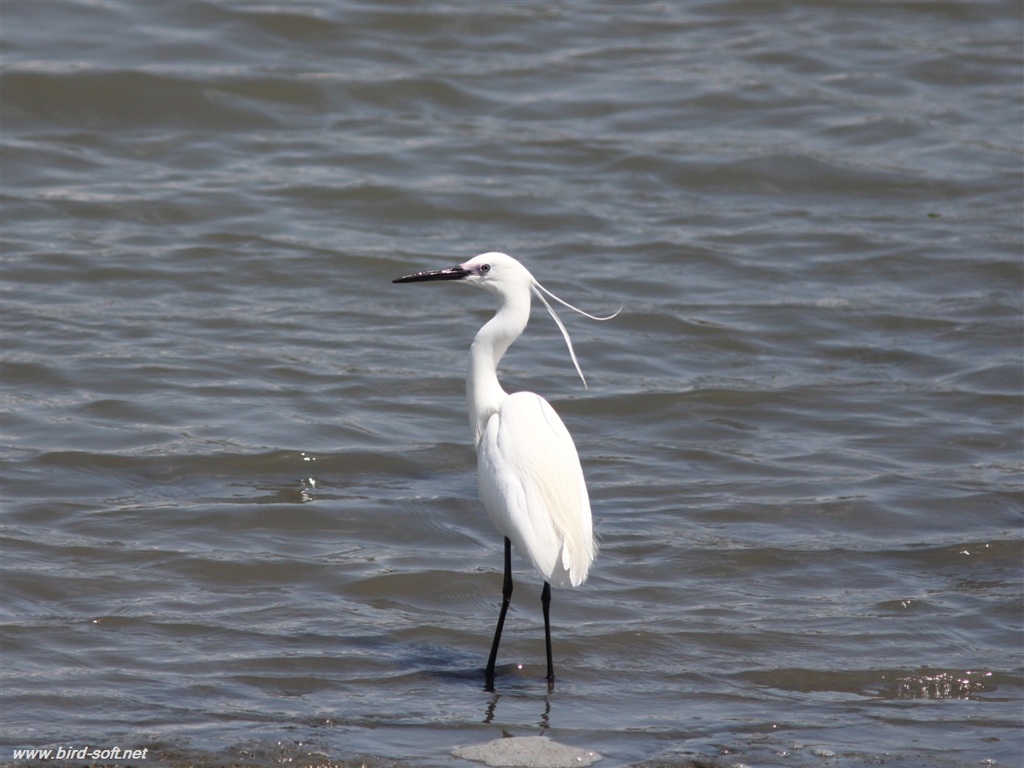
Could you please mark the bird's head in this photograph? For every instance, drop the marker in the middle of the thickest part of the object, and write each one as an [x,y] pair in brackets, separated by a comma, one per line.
[505,278]
[496,273]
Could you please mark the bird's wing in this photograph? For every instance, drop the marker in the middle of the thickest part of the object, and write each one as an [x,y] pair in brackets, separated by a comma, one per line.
[532,485]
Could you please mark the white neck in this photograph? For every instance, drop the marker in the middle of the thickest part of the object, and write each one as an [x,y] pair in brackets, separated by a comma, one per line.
[483,391]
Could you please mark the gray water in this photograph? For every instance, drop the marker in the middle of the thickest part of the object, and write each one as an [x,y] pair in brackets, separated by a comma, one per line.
[240,517]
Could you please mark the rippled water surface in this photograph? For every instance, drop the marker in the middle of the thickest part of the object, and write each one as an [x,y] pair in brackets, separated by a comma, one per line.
[240,516]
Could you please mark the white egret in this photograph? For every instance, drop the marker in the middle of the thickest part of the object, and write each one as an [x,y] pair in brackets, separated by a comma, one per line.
[529,472]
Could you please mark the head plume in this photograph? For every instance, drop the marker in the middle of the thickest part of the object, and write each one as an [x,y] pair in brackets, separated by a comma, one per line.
[539,291]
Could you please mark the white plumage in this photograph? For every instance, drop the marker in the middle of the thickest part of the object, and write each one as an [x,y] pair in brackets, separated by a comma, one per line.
[531,482]
[532,486]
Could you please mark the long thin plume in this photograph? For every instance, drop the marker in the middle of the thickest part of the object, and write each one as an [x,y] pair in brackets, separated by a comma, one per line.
[537,290]
[570,306]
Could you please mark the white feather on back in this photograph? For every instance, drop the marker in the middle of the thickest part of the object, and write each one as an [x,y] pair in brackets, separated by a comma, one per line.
[533,489]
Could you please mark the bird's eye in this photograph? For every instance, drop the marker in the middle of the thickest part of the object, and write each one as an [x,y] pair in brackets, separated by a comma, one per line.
[485,268]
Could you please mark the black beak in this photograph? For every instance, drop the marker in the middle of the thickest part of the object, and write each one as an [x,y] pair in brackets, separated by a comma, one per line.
[448,273]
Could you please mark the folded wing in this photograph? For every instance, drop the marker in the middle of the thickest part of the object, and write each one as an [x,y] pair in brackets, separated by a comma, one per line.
[533,489]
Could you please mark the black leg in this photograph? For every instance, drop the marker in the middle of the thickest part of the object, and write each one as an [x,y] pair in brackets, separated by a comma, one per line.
[506,598]
[545,601]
